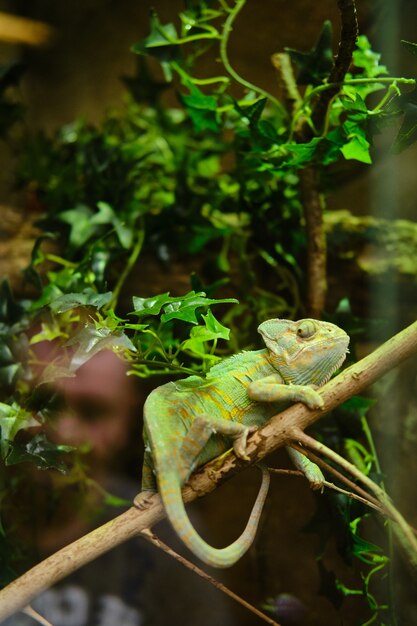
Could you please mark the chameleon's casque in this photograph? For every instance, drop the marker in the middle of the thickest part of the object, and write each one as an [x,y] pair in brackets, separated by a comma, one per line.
[189,422]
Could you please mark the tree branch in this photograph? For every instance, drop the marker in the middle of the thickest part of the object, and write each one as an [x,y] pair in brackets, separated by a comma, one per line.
[348,36]
[278,431]
[309,177]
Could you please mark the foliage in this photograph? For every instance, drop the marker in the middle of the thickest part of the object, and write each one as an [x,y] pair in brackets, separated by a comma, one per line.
[218,175]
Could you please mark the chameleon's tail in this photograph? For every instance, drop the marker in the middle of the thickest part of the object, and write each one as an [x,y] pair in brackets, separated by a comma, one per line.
[217,557]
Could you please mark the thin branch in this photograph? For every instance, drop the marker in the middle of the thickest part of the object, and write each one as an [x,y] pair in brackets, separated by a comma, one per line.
[278,431]
[401,528]
[36,616]
[341,477]
[155,541]
[329,485]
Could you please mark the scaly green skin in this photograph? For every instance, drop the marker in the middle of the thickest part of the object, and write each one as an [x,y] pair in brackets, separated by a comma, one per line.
[189,422]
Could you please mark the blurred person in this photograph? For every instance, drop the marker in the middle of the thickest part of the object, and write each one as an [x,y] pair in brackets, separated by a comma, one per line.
[134,584]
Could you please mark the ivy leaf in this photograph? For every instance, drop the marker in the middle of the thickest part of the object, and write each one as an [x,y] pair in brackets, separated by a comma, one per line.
[366,59]
[211,331]
[88,297]
[150,306]
[215,327]
[252,112]
[185,308]
[10,310]
[315,66]
[12,419]
[40,451]
[80,222]
[201,108]
[411,47]
[8,373]
[161,43]
[182,308]
[407,134]
[357,146]
[106,215]
[302,152]
[93,339]
[366,551]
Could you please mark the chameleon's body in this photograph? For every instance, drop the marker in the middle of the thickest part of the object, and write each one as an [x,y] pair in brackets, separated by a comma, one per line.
[189,422]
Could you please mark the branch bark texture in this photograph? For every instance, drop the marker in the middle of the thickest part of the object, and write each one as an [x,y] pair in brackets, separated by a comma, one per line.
[280,430]
[309,177]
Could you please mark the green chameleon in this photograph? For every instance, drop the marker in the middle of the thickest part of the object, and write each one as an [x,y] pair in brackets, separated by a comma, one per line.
[189,422]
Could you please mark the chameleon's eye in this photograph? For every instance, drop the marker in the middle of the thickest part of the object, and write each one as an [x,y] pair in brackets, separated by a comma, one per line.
[306,329]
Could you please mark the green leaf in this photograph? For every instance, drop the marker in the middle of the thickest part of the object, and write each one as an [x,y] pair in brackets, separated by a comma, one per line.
[50,330]
[106,215]
[366,59]
[150,306]
[411,47]
[302,152]
[407,134]
[200,335]
[8,373]
[366,551]
[93,339]
[161,36]
[80,222]
[357,146]
[182,307]
[315,66]
[88,297]
[10,310]
[12,419]
[40,451]
[161,43]
[201,108]
[185,308]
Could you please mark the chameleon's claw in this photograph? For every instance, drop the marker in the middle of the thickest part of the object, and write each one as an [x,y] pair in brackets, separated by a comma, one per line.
[143,500]
[312,399]
[240,443]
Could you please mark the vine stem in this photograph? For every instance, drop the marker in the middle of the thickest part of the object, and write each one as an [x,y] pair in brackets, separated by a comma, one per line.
[137,248]
[278,431]
[224,55]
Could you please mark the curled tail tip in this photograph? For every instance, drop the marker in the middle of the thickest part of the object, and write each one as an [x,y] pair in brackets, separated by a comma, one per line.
[216,557]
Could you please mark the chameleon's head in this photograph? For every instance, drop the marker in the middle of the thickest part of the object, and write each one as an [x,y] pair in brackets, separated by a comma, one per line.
[306,352]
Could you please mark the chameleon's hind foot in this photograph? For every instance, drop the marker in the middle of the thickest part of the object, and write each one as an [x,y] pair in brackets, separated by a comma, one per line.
[240,443]
[143,500]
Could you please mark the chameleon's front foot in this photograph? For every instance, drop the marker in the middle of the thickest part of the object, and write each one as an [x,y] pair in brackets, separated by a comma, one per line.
[308,396]
[143,499]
